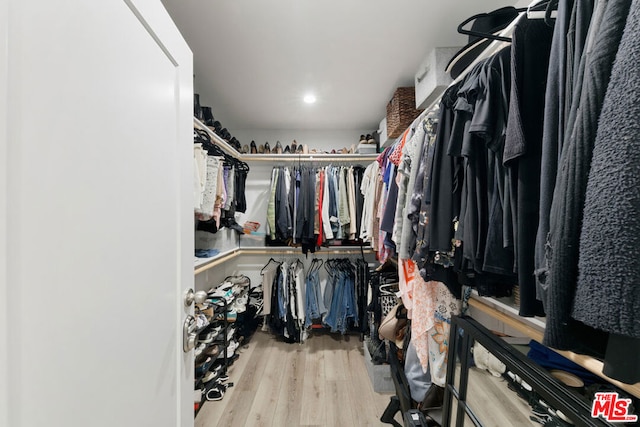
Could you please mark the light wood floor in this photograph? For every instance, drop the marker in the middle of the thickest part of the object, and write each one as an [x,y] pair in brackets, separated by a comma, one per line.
[322,382]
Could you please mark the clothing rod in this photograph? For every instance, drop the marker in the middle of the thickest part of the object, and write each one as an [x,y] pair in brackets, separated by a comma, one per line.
[324,157]
[274,251]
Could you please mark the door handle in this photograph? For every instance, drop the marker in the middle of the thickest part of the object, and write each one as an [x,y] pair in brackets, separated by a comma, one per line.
[189,335]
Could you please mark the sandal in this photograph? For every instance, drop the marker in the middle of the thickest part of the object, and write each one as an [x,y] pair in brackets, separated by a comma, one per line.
[216,393]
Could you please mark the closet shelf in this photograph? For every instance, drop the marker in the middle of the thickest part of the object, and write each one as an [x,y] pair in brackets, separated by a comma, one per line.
[224,145]
[315,157]
[288,250]
[531,328]
[208,263]
[312,157]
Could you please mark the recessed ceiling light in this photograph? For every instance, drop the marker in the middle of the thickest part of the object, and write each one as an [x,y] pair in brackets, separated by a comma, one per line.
[309,98]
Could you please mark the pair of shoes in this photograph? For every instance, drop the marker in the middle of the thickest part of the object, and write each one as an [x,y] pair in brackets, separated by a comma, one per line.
[240,304]
[370,139]
[200,349]
[232,316]
[204,366]
[294,146]
[217,392]
[267,148]
[261,149]
[213,350]
[232,346]
[254,148]
[214,394]
[278,148]
[207,116]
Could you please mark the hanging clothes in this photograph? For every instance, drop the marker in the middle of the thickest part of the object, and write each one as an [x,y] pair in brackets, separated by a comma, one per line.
[566,212]
[299,301]
[607,295]
[309,207]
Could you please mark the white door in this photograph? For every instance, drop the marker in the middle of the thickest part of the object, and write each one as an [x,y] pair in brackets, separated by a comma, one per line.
[96,214]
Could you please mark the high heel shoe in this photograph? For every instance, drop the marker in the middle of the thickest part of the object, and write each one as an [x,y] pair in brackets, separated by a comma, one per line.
[278,148]
[245,149]
[287,150]
[254,149]
[267,148]
[207,114]
[299,149]
[294,146]
[260,149]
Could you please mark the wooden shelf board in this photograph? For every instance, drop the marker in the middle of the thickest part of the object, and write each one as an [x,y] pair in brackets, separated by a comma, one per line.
[519,323]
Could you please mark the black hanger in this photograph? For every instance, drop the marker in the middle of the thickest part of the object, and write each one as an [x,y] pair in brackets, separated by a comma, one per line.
[269,262]
[486,35]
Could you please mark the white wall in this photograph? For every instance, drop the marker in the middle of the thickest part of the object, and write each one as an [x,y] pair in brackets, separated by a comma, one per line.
[4,306]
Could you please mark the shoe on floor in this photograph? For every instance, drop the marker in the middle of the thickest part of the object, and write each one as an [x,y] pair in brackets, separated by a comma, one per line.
[216,393]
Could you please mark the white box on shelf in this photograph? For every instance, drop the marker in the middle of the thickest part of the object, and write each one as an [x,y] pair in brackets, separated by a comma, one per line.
[366,149]
[431,79]
[384,136]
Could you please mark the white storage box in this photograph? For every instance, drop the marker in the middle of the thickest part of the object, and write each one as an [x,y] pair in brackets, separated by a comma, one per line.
[366,149]
[384,136]
[431,79]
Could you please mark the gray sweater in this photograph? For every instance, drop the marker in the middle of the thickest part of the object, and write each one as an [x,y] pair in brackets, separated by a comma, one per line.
[568,200]
[608,290]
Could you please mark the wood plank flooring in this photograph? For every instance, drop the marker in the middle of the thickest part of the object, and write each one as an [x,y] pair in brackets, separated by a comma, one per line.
[322,382]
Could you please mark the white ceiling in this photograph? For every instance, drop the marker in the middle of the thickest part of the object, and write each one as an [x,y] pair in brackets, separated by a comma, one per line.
[255,59]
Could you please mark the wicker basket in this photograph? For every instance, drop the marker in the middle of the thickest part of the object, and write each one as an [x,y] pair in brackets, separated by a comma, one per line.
[401,111]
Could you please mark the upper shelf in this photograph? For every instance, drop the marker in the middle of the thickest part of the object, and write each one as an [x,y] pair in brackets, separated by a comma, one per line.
[311,157]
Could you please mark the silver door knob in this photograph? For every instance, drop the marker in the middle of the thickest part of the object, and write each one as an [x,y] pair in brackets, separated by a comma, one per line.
[190,297]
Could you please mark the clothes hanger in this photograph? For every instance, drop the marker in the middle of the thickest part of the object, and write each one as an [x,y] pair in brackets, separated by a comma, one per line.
[486,35]
[550,11]
[269,262]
